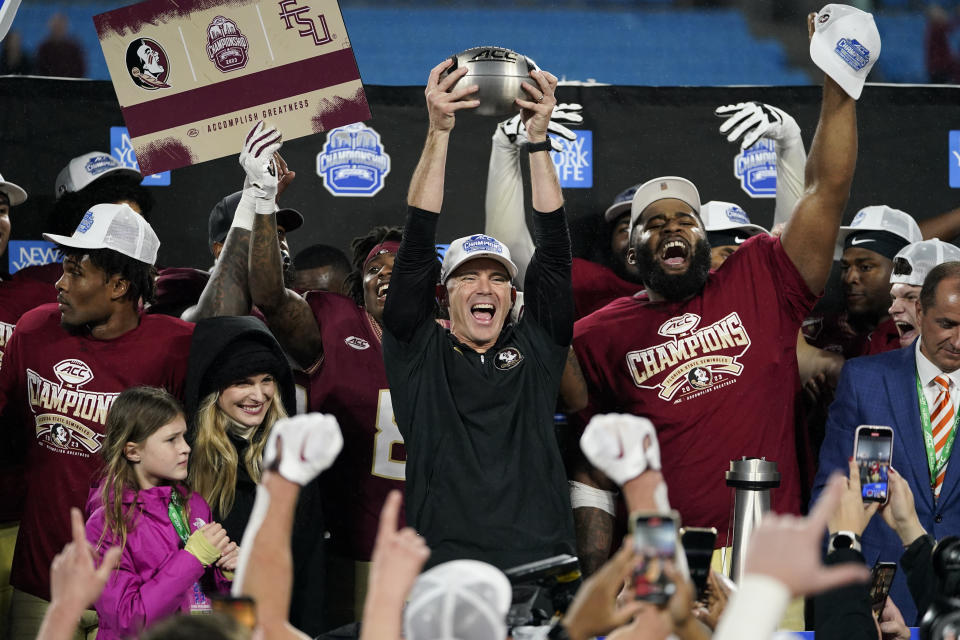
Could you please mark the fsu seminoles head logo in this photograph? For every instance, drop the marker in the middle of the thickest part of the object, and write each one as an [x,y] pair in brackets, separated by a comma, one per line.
[147,64]
[226,46]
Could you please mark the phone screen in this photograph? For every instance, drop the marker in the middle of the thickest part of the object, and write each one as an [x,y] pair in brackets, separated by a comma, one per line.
[698,544]
[873,451]
[880,580]
[655,542]
[241,609]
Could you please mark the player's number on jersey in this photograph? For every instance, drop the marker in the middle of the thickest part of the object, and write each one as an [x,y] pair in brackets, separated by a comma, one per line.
[387,435]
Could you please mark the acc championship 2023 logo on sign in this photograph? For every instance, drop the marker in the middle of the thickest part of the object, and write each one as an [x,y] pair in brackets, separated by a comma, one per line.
[756,169]
[575,163]
[954,150]
[122,149]
[353,162]
[226,46]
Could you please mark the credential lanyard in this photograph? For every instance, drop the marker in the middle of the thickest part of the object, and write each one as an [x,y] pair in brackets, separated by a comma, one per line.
[177,517]
[935,466]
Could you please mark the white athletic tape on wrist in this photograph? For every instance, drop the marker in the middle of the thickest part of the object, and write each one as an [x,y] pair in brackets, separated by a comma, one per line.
[660,497]
[582,495]
[246,210]
[257,515]
[265,207]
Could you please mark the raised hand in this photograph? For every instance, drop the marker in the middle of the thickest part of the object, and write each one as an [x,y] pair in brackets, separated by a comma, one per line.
[535,113]
[621,445]
[442,103]
[787,548]
[257,160]
[852,514]
[516,132]
[750,121]
[301,447]
[75,580]
[594,610]
[899,512]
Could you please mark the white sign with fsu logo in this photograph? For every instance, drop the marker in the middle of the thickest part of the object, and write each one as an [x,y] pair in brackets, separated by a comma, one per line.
[193,76]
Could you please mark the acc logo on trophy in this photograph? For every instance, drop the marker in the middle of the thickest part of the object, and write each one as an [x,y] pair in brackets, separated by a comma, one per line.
[226,46]
[352,162]
[148,64]
[756,168]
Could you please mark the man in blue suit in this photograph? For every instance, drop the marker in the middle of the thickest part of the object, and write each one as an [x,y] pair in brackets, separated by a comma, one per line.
[883,390]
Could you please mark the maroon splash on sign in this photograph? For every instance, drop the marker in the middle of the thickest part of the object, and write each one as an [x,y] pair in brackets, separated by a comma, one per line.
[160,155]
[226,46]
[340,111]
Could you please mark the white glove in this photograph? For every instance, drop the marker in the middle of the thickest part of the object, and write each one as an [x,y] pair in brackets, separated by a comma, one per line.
[614,444]
[755,120]
[256,158]
[301,447]
[516,133]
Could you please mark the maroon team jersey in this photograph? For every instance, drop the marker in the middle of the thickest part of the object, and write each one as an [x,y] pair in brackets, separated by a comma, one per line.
[716,375]
[48,273]
[60,387]
[595,285]
[833,332]
[351,383]
[16,298]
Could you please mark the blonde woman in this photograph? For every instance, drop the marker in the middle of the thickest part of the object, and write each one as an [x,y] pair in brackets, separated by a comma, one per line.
[238,385]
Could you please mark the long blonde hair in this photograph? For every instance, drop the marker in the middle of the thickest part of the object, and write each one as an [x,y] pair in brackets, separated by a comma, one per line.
[134,416]
[214,460]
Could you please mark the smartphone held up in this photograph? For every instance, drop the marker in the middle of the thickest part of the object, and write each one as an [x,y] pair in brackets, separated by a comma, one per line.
[655,543]
[872,451]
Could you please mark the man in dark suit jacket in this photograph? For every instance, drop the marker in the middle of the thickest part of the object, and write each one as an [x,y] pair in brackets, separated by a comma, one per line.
[883,390]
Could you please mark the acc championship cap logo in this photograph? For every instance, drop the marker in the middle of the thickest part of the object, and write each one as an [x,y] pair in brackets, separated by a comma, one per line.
[353,162]
[85,223]
[100,163]
[226,46]
[853,53]
[756,169]
[148,64]
[482,242]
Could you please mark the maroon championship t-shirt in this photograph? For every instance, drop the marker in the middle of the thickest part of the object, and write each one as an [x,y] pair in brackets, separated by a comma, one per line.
[595,286]
[16,298]
[350,382]
[716,375]
[60,388]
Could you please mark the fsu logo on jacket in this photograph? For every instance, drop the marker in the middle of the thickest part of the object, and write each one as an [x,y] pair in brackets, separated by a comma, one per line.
[693,361]
[507,358]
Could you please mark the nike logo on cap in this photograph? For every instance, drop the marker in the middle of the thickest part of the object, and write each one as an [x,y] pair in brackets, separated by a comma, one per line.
[740,240]
[860,240]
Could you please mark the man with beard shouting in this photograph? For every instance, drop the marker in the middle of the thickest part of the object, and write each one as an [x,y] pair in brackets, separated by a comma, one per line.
[710,358]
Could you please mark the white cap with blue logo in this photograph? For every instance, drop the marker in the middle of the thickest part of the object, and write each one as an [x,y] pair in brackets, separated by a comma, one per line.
[845,45]
[475,246]
[87,168]
[720,216]
[116,227]
[912,264]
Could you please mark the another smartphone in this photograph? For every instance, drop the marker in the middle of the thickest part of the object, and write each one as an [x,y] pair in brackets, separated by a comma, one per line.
[698,543]
[872,450]
[881,577]
[655,542]
[241,609]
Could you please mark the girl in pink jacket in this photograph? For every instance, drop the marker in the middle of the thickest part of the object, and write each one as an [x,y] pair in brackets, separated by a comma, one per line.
[173,556]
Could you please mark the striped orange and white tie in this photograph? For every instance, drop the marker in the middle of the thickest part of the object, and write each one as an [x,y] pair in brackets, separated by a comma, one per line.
[941,422]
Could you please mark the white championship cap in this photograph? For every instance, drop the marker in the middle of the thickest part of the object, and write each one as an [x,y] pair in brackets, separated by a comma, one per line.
[475,246]
[84,169]
[915,261]
[458,600]
[113,226]
[723,216]
[878,218]
[14,193]
[661,189]
[845,45]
